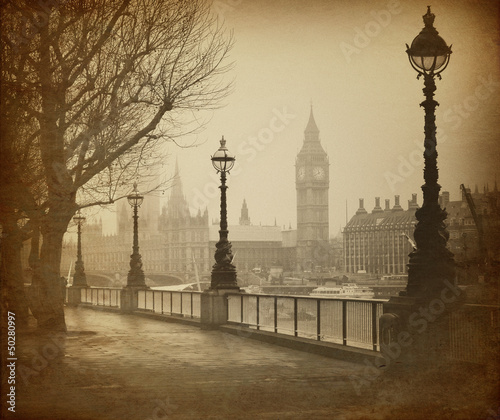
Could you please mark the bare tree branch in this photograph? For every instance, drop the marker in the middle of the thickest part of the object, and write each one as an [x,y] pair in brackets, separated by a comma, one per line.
[99,87]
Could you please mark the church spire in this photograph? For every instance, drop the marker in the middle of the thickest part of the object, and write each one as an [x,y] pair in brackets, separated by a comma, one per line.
[244,219]
[123,217]
[177,194]
[177,204]
[177,186]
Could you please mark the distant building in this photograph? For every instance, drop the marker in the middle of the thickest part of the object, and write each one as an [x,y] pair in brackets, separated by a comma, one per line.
[289,248]
[244,219]
[312,182]
[464,234]
[379,242]
[186,237]
[252,246]
[150,240]
[177,242]
[111,253]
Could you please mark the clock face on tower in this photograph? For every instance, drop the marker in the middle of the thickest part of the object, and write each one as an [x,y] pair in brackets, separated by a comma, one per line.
[318,173]
[301,174]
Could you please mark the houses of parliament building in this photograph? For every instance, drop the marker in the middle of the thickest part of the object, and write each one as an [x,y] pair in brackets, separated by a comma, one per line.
[175,241]
[172,240]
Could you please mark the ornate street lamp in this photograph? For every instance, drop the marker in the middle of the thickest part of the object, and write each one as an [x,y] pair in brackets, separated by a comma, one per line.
[135,276]
[431,263]
[223,271]
[79,278]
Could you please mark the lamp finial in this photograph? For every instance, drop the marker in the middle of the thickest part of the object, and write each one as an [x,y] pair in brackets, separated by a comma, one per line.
[429,17]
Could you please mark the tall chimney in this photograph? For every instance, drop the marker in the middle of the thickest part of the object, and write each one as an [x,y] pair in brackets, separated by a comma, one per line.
[412,204]
[387,204]
[397,206]
[377,208]
[361,209]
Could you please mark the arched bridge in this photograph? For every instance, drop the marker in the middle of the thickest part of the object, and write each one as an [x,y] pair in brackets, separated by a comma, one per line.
[118,279]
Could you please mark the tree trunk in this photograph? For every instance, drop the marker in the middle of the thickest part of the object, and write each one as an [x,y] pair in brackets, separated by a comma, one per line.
[13,294]
[47,291]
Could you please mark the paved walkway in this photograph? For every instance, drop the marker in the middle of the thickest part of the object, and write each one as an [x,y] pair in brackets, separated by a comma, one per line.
[113,366]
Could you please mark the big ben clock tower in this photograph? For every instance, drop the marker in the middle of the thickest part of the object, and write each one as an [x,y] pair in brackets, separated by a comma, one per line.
[312,183]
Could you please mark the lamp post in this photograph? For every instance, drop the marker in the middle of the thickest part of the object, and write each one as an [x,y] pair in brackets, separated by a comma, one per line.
[431,263]
[135,276]
[223,271]
[79,278]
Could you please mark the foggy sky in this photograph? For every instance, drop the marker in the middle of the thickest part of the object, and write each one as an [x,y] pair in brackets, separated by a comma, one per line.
[349,60]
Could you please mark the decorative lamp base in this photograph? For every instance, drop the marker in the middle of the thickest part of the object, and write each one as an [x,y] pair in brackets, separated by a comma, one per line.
[224,279]
[79,280]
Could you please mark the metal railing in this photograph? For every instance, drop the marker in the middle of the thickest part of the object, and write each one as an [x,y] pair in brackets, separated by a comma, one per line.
[474,333]
[186,304]
[350,322]
[101,296]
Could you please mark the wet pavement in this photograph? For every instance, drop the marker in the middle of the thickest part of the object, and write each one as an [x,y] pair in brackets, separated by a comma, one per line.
[113,366]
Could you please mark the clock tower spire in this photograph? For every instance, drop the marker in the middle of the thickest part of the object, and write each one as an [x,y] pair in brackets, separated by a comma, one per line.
[312,183]
[311,133]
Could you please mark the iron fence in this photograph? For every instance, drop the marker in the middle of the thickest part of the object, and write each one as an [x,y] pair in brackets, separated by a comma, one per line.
[350,322]
[186,304]
[101,296]
[474,333]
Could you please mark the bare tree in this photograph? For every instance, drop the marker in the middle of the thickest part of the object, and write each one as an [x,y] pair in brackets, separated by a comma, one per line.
[101,86]
[21,193]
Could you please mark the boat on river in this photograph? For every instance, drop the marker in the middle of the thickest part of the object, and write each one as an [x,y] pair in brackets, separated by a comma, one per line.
[346,290]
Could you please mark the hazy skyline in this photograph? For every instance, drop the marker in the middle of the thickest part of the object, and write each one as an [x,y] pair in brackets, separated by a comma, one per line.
[349,60]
